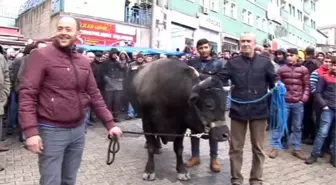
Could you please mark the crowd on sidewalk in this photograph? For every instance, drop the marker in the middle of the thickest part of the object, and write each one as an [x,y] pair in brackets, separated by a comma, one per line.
[309,78]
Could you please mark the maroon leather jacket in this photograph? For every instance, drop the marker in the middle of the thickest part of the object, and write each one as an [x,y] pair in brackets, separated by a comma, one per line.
[56,89]
[296,80]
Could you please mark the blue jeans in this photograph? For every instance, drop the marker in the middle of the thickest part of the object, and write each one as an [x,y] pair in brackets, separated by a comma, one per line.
[228,102]
[327,122]
[195,147]
[62,154]
[13,112]
[295,110]
[130,111]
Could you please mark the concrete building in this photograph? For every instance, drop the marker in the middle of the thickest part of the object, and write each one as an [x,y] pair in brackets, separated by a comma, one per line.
[330,31]
[103,22]
[283,23]
[327,39]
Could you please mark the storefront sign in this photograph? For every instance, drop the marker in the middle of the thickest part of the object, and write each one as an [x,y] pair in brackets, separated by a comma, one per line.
[100,33]
[210,23]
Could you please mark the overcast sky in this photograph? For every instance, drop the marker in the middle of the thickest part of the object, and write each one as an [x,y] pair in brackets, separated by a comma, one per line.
[324,7]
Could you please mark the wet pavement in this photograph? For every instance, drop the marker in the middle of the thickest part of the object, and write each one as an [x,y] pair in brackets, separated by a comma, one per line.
[21,166]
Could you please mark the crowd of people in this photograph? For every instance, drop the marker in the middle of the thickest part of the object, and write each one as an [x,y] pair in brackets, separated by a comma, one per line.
[309,78]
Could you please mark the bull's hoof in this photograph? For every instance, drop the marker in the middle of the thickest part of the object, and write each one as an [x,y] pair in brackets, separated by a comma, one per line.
[148,176]
[183,176]
[158,151]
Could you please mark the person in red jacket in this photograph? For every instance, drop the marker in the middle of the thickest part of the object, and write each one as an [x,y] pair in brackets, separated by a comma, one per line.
[296,79]
[56,89]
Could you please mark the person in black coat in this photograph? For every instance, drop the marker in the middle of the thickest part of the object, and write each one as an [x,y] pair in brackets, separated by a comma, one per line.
[251,75]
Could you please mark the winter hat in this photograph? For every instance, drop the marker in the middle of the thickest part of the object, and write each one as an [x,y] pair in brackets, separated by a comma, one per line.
[281,50]
[301,54]
[293,51]
[140,55]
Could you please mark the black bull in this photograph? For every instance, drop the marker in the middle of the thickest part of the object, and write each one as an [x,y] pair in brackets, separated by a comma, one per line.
[170,97]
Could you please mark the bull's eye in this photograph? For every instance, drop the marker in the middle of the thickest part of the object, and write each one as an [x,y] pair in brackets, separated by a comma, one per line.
[210,104]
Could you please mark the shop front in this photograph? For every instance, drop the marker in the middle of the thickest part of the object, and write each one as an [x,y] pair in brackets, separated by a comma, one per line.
[183,29]
[11,37]
[108,34]
[210,28]
[230,43]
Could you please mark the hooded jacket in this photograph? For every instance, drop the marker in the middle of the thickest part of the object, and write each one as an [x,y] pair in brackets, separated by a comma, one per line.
[113,73]
[311,63]
[284,60]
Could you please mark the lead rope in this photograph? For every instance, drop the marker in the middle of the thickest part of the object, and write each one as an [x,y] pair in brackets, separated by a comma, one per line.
[278,102]
[114,144]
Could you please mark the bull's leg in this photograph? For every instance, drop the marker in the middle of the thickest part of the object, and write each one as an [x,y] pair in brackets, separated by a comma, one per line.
[149,173]
[182,172]
[158,146]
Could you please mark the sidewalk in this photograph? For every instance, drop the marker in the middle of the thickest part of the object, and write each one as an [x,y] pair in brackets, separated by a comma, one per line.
[21,166]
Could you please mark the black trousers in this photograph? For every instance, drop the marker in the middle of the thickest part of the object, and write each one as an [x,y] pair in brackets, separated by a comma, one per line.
[113,100]
[309,126]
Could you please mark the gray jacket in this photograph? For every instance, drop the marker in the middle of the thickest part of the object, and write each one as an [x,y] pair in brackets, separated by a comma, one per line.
[4,83]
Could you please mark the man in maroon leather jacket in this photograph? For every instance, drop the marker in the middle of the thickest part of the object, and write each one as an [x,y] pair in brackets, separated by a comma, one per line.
[57,87]
[296,79]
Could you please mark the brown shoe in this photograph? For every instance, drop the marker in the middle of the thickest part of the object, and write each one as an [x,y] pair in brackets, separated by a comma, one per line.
[3,149]
[2,168]
[274,153]
[299,154]
[214,165]
[194,161]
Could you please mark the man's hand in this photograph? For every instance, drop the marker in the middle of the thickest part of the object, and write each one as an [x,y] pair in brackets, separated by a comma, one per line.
[115,131]
[34,144]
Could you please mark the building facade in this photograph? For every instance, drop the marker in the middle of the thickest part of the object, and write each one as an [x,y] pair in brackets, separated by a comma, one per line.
[282,23]
[103,22]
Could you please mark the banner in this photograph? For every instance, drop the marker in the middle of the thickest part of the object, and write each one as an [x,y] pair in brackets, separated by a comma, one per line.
[101,33]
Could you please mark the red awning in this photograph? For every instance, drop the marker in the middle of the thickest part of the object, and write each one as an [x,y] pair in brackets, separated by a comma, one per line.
[10,32]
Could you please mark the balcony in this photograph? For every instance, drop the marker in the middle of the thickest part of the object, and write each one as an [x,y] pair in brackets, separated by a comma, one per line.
[140,16]
[284,14]
[307,8]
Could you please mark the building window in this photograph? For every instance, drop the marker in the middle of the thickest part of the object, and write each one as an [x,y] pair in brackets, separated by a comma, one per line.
[291,10]
[233,11]
[225,7]
[244,16]
[312,5]
[264,25]
[258,21]
[313,24]
[250,18]
[214,5]
[299,15]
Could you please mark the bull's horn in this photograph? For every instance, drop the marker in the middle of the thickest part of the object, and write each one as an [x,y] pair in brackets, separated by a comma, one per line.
[206,83]
[195,71]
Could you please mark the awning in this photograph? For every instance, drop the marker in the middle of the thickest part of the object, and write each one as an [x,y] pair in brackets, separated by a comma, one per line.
[10,32]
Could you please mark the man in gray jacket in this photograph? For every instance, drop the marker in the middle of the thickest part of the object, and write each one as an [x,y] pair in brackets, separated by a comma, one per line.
[4,93]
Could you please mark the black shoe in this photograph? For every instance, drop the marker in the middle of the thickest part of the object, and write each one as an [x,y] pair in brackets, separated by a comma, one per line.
[129,117]
[321,155]
[117,120]
[308,141]
[333,161]
[311,160]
